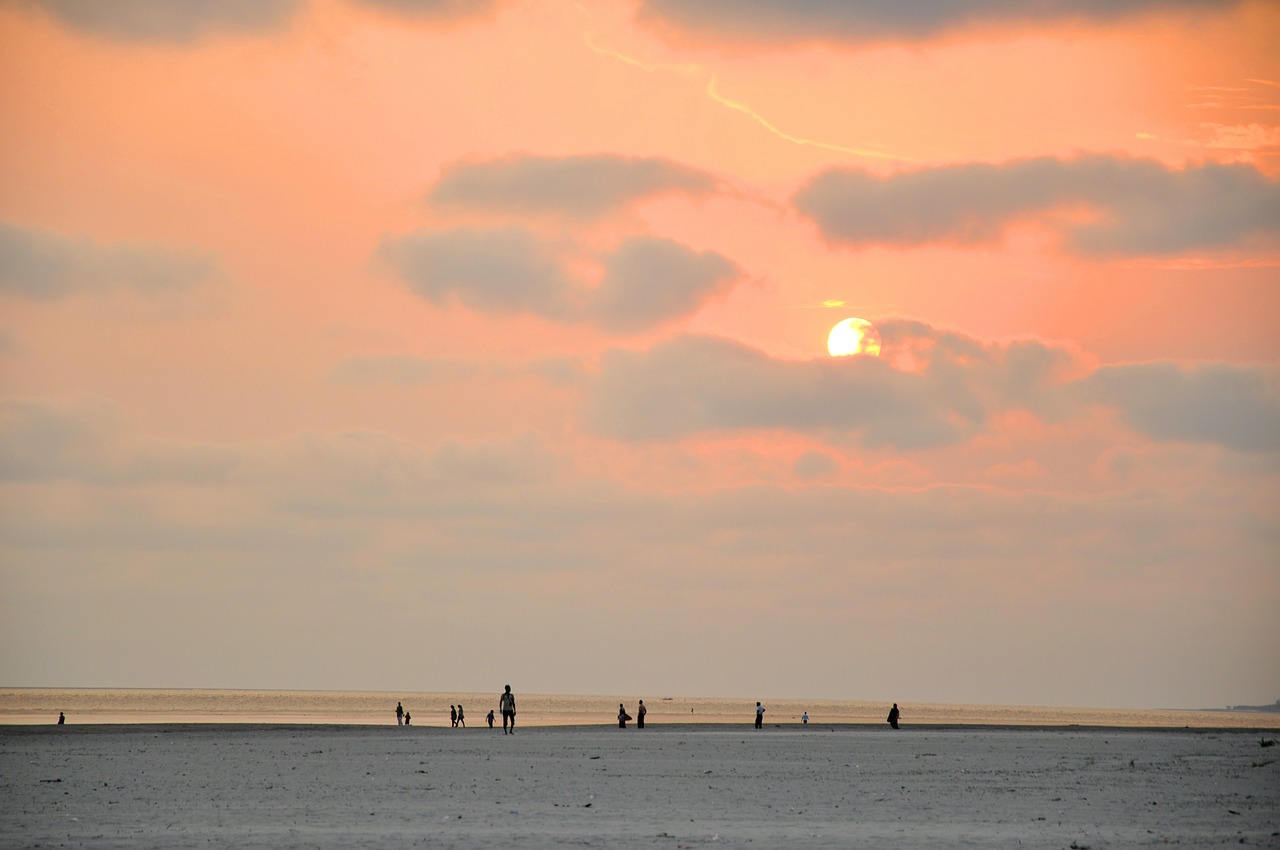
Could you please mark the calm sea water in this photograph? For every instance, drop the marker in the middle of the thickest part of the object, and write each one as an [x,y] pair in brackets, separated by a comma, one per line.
[109,705]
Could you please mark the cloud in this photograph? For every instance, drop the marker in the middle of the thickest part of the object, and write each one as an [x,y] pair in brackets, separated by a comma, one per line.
[695,384]
[43,266]
[167,20]
[932,388]
[1132,206]
[578,186]
[651,281]
[876,20]
[1233,406]
[437,9]
[647,281]
[502,270]
[45,439]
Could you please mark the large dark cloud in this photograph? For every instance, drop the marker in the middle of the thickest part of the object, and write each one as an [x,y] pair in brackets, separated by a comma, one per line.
[651,281]
[1234,406]
[1101,204]
[874,20]
[41,265]
[582,186]
[167,20]
[697,384]
[647,281]
[502,270]
[950,388]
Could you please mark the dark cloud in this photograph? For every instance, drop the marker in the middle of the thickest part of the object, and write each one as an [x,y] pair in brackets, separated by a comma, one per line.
[40,265]
[647,281]
[1136,206]
[436,9]
[932,388]
[167,20]
[697,384]
[502,270]
[651,281]
[575,185]
[1233,406]
[875,20]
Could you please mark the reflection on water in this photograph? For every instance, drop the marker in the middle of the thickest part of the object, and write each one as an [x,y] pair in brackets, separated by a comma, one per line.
[109,705]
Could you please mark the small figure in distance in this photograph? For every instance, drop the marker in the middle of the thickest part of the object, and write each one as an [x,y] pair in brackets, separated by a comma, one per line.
[507,705]
[62,719]
[640,713]
[759,715]
[893,716]
[407,718]
[462,718]
[453,716]
[399,714]
[804,718]
[490,718]
[623,717]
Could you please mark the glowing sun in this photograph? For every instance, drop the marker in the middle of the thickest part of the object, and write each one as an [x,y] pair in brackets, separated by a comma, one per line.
[854,336]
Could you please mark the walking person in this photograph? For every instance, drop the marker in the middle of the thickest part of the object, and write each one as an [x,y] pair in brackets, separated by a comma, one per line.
[759,715]
[407,718]
[399,714]
[462,718]
[640,713]
[489,718]
[507,705]
[453,716]
[893,716]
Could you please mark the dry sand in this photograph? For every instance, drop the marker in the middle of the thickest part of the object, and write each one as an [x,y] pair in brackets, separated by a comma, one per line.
[663,787]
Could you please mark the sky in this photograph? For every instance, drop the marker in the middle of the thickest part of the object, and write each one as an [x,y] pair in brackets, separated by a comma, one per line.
[434,345]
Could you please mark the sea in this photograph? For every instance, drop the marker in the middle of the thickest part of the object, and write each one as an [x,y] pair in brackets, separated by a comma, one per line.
[30,706]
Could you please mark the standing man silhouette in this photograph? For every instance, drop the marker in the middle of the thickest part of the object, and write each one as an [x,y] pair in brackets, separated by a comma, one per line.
[640,713]
[507,705]
[759,715]
[893,716]
[399,714]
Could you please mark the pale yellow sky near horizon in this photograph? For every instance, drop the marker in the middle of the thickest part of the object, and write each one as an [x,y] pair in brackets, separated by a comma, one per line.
[358,344]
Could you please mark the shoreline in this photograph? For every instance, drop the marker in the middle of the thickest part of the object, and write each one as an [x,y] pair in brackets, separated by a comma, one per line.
[602,727]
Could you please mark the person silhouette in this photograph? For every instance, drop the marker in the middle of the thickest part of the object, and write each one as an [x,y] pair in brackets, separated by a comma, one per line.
[804,718]
[489,718]
[893,716]
[399,714]
[623,717]
[453,716]
[507,705]
[640,713]
[62,719]
[759,715]
[462,718]
[407,718]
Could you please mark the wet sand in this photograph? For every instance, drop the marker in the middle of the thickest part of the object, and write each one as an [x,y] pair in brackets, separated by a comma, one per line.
[667,786]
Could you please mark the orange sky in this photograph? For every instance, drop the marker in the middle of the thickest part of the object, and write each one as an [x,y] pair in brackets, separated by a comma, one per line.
[338,332]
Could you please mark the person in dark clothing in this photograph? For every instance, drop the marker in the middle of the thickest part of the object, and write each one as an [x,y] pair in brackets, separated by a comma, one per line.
[507,705]
[623,717]
[759,715]
[453,716]
[490,718]
[462,718]
[640,713]
[893,716]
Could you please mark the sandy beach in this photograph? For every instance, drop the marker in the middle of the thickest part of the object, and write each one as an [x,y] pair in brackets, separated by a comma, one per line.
[671,786]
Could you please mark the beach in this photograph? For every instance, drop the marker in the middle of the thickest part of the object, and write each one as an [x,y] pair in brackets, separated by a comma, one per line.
[667,786]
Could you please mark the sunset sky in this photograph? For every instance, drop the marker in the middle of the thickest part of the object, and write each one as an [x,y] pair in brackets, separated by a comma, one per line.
[434,345]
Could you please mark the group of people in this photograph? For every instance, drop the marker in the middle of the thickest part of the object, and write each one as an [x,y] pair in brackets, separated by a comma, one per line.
[894,714]
[458,716]
[623,717]
[507,705]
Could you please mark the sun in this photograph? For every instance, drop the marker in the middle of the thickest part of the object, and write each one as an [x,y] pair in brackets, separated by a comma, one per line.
[854,336]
